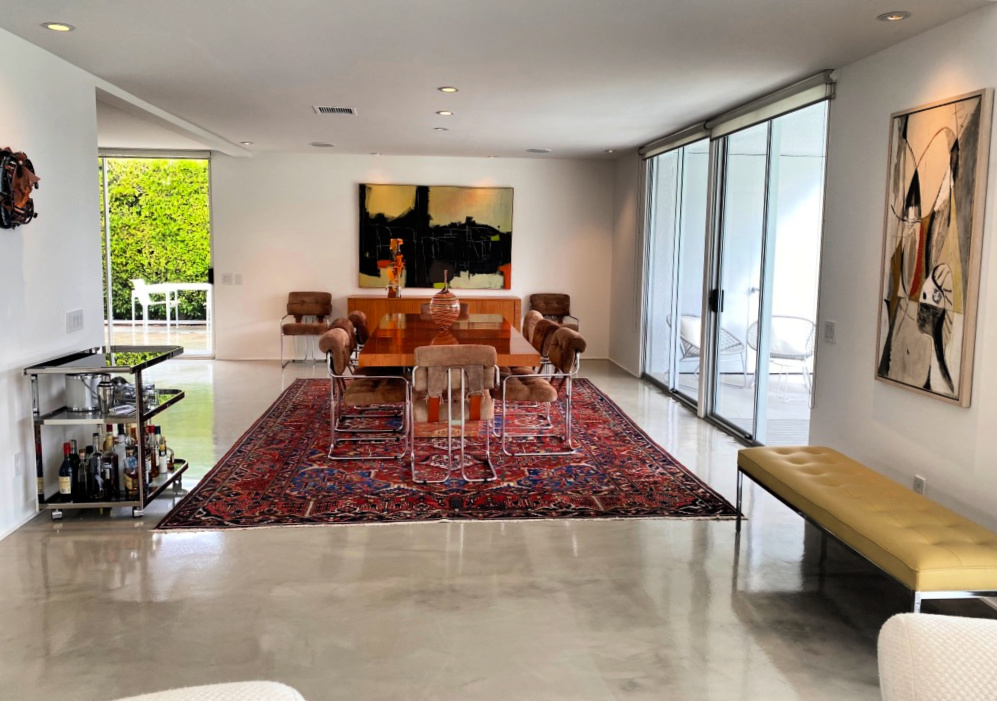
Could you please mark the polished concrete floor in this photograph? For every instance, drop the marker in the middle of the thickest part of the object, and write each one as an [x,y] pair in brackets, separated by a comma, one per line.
[98,607]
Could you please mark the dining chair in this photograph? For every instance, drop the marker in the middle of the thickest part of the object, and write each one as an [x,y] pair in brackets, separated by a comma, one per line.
[350,394]
[310,311]
[556,307]
[471,370]
[530,323]
[142,296]
[544,389]
[359,321]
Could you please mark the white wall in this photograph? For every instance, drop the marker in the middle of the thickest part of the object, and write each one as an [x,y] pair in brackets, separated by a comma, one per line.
[891,429]
[625,329]
[51,266]
[290,222]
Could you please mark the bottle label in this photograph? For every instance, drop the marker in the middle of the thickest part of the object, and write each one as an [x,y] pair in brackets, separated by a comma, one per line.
[65,485]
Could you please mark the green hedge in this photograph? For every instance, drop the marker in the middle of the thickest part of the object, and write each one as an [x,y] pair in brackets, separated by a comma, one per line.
[160,229]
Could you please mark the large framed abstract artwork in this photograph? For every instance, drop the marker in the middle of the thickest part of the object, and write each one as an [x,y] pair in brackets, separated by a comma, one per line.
[461,233]
[935,200]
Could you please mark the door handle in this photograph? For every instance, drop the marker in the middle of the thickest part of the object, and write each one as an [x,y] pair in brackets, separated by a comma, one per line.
[716,301]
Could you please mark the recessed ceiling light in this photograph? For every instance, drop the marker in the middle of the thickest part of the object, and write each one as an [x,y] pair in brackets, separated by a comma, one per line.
[538,150]
[895,16]
[375,153]
[246,143]
[440,129]
[445,113]
[447,88]
[58,26]
[321,144]
[492,156]
[610,150]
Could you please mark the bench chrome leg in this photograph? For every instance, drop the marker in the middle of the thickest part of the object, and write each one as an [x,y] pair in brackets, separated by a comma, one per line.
[740,485]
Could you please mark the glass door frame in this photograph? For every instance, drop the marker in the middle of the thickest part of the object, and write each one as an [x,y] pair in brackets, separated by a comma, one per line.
[102,156]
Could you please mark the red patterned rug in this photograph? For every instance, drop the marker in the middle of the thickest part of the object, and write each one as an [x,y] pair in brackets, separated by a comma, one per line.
[277,474]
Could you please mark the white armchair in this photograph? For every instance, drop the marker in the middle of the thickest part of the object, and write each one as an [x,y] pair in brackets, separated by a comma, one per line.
[922,656]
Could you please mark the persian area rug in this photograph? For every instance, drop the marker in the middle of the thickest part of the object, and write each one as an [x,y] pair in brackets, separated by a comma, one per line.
[278,474]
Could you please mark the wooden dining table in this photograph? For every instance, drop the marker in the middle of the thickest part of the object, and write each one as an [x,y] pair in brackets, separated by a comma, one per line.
[393,342]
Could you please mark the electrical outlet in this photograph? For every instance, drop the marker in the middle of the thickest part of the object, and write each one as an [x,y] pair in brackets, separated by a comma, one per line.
[18,466]
[919,484]
[830,332]
[226,278]
[74,321]
[238,278]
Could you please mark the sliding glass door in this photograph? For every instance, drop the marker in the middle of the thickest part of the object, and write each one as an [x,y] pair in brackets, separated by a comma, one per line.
[677,218]
[769,229]
[753,353]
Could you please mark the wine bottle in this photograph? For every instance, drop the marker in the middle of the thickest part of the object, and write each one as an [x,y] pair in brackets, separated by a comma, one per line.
[80,478]
[66,474]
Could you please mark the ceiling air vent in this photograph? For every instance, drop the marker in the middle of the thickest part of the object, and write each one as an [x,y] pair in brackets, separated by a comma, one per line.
[319,109]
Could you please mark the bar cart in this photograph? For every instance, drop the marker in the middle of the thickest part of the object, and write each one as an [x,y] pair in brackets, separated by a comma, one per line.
[113,360]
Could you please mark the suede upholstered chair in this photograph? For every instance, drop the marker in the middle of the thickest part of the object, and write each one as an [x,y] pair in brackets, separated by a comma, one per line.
[367,409]
[556,307]
[530,391]
[311,312]
[453,386]
[530,323]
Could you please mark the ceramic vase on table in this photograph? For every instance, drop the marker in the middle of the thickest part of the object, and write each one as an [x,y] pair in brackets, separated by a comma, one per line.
[444,307]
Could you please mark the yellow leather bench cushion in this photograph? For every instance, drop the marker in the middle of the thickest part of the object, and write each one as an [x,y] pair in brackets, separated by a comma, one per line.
[920,543]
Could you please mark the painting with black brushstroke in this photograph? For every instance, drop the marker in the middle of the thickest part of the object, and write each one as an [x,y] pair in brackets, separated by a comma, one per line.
[936,193]
[462,233]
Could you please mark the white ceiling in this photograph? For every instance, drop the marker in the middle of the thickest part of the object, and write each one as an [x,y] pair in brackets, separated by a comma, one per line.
[575,76]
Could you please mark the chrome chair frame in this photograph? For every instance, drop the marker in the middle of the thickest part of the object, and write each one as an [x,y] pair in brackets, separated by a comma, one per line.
[566,379]
[337,412]
[449,470]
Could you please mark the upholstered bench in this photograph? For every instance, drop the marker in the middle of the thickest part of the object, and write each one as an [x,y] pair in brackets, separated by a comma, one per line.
[934,552]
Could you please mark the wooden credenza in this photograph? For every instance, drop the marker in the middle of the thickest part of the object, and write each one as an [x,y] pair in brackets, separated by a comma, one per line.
[376,306]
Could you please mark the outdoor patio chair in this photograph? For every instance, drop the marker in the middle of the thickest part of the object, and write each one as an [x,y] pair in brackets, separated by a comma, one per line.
[142,295]
[690,333]
[791,345]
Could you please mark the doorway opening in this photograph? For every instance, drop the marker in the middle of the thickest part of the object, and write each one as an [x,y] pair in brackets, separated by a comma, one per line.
[156,246]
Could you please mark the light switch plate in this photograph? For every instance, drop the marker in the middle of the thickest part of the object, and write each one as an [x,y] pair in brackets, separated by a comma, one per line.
[919,484]
[74,321]
[226,278]
[830,332]
[18,465]
[238,278]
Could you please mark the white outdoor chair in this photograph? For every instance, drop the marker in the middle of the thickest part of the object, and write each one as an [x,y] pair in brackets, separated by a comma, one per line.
[690,333]
[791,345]
[142,295]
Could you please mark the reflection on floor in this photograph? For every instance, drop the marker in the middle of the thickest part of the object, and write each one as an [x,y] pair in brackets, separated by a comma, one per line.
[98,607]
[788,410]
[195,338]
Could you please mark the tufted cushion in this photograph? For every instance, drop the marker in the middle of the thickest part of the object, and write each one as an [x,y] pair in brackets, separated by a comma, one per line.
[336,344]
[367,391]
[359,321]
[309,304]
[938,657]
[304,328]
[563,347]
[551,304]
[527,389]
[922,544]
[530,322]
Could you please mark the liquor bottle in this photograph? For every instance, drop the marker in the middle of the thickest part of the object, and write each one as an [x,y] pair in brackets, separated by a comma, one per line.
[74,456]
[95,482]
[162,456]
[149,454]
[80,478]
[109,466]
[120,446]
[66,474]
[131,472]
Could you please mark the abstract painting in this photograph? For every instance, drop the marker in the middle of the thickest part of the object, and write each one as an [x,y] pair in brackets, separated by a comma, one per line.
[936,192]
[463,234]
